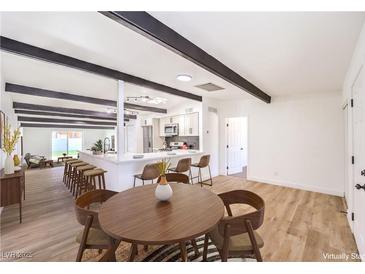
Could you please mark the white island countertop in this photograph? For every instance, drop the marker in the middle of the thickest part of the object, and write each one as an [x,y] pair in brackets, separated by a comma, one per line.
[121,173]
[128,157]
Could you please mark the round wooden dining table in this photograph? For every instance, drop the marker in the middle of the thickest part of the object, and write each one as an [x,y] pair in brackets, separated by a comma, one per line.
[137,217]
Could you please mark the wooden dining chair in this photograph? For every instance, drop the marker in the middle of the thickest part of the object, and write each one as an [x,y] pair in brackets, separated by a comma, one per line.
[176,177]
[235,236]
[92,236]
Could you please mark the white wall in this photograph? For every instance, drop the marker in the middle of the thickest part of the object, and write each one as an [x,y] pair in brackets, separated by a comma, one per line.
[6,106]
[210,141]
[295,141]
[39,140]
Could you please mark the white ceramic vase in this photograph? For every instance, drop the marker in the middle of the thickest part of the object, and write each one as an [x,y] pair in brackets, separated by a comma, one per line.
[9,165]
[163,192]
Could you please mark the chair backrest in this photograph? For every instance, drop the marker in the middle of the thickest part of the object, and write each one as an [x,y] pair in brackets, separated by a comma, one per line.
[83,202]
[150,172]
[204,161]
[239,224]
[27,157]
[177,177]
[183,165]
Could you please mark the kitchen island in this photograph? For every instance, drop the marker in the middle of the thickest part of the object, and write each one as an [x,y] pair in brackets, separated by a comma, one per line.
[120,172]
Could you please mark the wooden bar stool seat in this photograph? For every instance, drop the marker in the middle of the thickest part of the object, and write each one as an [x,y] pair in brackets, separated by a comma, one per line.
[183,165]
[72,177]
[67,167]
[81,181]
[91,175]
[70,160]
[203,163]
[150,172]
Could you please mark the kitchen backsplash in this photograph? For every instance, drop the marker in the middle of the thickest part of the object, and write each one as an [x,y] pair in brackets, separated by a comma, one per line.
[190,140]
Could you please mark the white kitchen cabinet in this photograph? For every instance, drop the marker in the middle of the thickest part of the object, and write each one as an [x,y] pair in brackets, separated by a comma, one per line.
[191,125]
[180,120]
[188,124]
[146,122]
[163,121]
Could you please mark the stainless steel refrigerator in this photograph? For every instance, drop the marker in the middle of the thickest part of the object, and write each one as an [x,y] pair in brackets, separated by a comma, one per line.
[147,139]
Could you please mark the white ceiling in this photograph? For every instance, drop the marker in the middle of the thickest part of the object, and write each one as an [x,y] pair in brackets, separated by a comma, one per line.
[93,37]
[30,72]
[282,53]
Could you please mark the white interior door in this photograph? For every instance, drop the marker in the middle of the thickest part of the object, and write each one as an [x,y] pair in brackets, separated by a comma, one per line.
[359,165]
[236,144]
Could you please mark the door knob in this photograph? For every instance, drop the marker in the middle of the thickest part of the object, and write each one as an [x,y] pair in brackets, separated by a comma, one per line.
[358,186]
[362,172]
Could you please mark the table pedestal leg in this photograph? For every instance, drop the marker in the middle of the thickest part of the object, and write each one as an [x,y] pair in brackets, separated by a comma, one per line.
[132,253]
[184,256]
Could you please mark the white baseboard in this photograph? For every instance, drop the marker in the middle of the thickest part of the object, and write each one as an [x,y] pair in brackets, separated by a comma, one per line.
[298,186]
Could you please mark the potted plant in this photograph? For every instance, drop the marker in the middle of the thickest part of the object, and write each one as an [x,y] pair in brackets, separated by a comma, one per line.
[10,140]
[163,190]
[97,148]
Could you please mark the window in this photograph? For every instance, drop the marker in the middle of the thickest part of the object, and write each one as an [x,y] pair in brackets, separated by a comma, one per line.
[68,142]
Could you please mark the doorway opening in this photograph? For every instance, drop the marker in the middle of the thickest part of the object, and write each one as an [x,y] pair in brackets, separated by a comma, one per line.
[68,142]
[237,146]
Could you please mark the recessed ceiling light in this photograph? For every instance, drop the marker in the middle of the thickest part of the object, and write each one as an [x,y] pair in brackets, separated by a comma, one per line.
[184,77]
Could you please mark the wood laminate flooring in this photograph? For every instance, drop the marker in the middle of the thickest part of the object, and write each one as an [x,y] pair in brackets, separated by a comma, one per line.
[299,225]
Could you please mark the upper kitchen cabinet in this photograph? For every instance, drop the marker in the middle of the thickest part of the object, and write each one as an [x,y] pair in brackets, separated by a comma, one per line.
[163,121]
[191,127]
[188,124]
[180,120]
[146,122]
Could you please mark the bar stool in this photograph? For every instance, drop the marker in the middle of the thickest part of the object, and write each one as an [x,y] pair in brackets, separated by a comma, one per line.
[150,172]
[203,163]
[90,182]
[67,166]
[72,176]
[183,165]
[80,179]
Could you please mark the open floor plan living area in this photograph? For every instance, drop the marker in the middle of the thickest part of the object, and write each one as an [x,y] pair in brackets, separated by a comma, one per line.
[181,136]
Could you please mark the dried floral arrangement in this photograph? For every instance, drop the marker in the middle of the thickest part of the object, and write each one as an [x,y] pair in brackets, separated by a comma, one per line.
[10,139]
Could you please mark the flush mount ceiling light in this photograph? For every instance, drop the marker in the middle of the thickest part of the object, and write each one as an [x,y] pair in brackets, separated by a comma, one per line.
[184,77]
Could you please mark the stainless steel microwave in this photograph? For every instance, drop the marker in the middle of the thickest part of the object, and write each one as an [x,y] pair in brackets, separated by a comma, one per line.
[171,129]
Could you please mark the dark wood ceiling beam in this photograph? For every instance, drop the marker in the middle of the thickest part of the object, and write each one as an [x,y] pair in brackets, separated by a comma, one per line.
[17,105]
[64,121]
[150,27]
[144,108]
[47,113]
[62,126]
[15,88]
[20,89]
[130,116]
[28,50]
